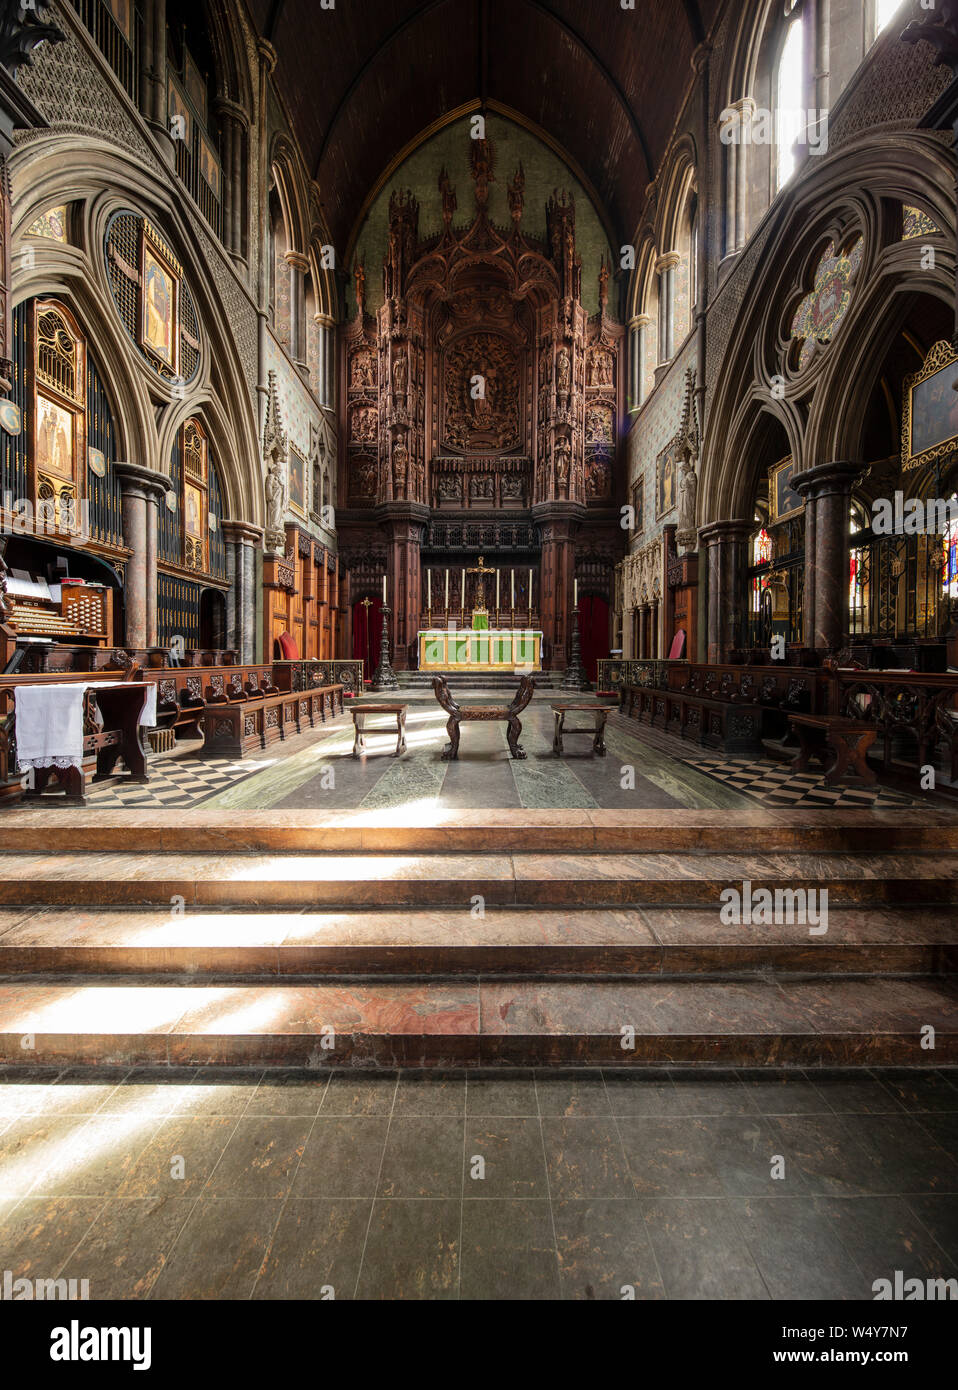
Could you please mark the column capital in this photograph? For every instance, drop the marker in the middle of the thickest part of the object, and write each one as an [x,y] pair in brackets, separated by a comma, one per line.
[667,262]
[232,110]
[149,483]
[267,54]
[297,260]
[723,532]
[324,320]
[242,532]
[826,479]
[640,321]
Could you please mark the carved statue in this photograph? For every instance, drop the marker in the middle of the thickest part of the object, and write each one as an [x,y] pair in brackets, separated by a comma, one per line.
[400,470]
[562,463]
[400,373]
[563,374]
[688,492]
[275,496]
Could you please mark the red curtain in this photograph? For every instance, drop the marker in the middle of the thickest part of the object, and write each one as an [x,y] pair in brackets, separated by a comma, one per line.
[593,631]
[367,633]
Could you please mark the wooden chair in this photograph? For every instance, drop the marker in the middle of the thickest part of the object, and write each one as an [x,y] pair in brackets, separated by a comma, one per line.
[485,713]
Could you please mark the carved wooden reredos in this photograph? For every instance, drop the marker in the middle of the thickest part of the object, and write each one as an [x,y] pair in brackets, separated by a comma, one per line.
[482,383]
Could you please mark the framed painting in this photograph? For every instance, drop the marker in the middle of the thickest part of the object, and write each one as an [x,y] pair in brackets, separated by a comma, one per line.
[193,512]
[160,304]
[783,500]
[929,416]
[297,482]
[209,165]
[180,115]
[195,85]
[55,438]
[638,505]
[665,481]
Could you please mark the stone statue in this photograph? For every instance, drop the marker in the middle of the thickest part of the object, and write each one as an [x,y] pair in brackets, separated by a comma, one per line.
[275,497]
[688,491]
[400,372]
[563,374]
[400,470]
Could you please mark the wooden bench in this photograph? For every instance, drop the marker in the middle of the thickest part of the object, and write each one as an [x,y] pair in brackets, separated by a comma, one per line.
[483,713]
[601,713]
[360,712]
[838,743]
[231,729]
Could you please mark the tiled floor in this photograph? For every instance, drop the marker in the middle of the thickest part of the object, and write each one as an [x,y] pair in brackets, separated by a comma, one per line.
[645,768]
[672,1184]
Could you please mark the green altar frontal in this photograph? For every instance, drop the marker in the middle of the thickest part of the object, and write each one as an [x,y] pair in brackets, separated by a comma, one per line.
[441,650]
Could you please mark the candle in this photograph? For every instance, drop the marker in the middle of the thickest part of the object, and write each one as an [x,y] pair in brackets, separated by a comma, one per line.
[429,590]
[512,587]
[447,591]
[464,591]
[497,593]
[384,591]
[530,593]
[575,588]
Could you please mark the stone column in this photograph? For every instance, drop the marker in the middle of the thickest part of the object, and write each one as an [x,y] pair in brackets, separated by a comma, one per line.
[234,128]
[142,489]
[298,265]
[638,331]
[827,489]
[665,269]
[726,545]
[559,523]
[242,542]
[326,372]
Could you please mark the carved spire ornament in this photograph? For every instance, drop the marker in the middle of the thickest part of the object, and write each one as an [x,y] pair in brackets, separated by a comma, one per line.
[275,456]
[688,451]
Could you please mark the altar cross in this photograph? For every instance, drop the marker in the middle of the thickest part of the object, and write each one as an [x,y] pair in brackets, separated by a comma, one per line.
[482,571]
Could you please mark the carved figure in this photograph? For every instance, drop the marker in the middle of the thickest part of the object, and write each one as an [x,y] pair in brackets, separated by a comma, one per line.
[275,496]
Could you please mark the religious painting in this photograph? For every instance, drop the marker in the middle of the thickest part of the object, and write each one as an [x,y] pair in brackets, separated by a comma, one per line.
[598,478]
[784,501]
[665,480]
[51,224]
[297,481]
[159,305]
[193,512]
[929,420]
[180,115]
[209,165]
[638,505]
[55,434]
[121,12]
[195,85]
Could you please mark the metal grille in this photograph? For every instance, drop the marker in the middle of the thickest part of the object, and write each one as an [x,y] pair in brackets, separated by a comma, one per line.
[178,610]
[13,451]
[217,549]
[170,530]
[123,241]
[105,501]
[120,50]
[58,354]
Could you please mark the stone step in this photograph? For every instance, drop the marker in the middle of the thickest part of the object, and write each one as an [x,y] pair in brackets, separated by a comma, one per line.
[458,1023]
[393,880]
[260,832]
[505,942]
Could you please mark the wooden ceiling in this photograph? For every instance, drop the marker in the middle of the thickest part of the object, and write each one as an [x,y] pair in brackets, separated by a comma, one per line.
[365,80]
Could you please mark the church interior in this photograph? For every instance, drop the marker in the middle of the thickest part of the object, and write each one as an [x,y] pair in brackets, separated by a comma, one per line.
[478,649]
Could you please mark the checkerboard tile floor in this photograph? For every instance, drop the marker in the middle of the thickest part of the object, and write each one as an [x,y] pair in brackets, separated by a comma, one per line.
[176,782]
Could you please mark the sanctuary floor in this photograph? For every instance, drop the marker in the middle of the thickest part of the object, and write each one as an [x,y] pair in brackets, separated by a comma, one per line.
[315,771]
[530,1185]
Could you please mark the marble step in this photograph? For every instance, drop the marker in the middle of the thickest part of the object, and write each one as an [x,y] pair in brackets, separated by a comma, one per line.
[405,830]
[505,942]
[449,1023]
[460,881]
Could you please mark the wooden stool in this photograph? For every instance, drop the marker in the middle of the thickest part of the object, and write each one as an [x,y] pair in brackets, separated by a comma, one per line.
[359,713]
[601,713]
[838,743]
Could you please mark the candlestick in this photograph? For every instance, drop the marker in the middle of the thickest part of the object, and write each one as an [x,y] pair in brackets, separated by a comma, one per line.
[384,677]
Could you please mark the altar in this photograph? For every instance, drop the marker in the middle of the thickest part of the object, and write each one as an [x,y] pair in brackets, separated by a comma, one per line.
[451,649]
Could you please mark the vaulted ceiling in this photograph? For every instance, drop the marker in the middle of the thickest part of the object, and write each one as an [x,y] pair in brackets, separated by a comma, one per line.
[365,80]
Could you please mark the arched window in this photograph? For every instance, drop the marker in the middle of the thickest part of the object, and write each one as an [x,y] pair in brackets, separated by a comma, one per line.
[883,12]
[279,297]
[789,90]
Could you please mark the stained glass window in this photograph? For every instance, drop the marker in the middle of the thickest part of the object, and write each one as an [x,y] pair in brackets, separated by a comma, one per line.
[823,308]
[949,574]
[763,548]
[915,223]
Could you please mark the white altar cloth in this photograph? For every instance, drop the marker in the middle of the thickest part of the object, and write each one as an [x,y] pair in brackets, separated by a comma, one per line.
[50,720]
